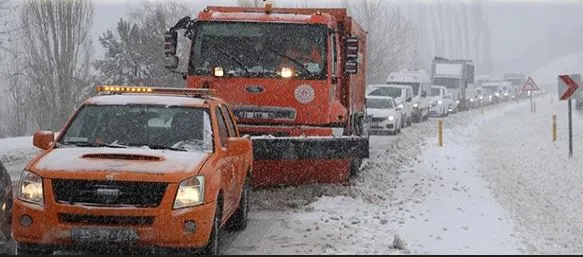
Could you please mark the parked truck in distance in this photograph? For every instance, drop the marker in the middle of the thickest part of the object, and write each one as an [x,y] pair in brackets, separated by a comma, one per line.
[458,76]
[296,80]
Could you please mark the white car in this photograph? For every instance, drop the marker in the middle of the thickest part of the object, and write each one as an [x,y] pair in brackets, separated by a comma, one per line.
[384,115]
[439,103]
[402,95]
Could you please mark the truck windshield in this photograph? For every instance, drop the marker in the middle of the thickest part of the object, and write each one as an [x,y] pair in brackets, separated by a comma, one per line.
[435,91]
[376,103]
[387,91]
[447,82]
[261,50]
[149,126]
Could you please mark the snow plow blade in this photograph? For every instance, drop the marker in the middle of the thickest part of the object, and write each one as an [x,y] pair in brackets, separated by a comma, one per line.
[292,161]
[310,148]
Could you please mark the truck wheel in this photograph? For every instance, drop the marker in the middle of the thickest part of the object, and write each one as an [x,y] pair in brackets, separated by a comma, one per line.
[212,247]
[238,221]
[355,166]
[29,249]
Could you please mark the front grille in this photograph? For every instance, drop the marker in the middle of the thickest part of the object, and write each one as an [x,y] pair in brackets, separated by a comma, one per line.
[109,193]
[105,220]
[377,119]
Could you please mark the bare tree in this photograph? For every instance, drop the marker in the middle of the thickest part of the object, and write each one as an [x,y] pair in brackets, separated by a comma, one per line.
[57,53]
[391,37]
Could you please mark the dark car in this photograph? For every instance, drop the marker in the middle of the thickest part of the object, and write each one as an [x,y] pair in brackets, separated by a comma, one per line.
[6,242]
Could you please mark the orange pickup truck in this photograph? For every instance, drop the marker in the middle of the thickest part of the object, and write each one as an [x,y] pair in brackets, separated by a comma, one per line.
[136,168]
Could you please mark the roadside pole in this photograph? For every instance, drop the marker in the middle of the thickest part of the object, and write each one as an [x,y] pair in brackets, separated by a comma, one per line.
[567,87]
[530,94]
[570,131]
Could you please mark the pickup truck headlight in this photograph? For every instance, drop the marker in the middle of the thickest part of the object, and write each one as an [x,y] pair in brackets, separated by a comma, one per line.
[30,188]
[190,192]
[391,118]
[415,105]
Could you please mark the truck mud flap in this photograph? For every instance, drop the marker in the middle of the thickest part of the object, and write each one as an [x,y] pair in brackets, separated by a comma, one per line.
[310,148]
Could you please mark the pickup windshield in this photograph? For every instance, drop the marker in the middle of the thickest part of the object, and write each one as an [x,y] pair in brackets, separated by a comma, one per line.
[259,50]
[146,126]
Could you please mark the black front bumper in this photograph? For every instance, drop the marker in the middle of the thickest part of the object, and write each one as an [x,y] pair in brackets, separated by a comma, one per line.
[310,148]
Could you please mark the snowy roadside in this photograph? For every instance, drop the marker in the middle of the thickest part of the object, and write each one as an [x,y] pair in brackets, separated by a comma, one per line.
[363,218]
[15,152]
[533,176]
[450,208]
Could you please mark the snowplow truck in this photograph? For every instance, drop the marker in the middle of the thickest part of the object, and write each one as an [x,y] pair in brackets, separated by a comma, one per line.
[295,78]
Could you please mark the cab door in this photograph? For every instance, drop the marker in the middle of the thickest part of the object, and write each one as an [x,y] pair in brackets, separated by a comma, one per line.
[226,166]
[236,156]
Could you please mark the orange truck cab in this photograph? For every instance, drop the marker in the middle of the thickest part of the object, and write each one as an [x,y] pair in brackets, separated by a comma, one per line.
[295,78]
[136,168]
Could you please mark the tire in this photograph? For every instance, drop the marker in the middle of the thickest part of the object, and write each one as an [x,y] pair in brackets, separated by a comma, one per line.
[212,247]
[238,221]
[29,249]
[355,166]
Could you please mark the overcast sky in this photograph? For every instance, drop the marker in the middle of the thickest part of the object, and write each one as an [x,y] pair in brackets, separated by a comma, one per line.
[525,34]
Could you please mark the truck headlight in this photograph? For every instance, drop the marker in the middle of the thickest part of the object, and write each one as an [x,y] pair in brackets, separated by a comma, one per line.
[400,106]
[415,105]
[30,188]
[439,102]
[391,117]
[457,101]
[190,192]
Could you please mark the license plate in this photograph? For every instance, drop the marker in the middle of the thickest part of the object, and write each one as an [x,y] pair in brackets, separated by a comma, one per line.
[111,235]
[255,115]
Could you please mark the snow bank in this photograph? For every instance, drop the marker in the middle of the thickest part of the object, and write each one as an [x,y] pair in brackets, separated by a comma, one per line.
[16,149]
[533,176]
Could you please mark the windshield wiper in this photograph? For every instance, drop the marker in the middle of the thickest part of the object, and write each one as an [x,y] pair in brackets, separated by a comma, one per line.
[92,144]
[230,56]
[159,147]
[296,62]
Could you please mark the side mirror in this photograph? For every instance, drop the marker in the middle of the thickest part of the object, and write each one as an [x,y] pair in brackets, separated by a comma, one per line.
[424,94]
[409,99]
[398,108]
[43,139]
[170,42]
[351,55]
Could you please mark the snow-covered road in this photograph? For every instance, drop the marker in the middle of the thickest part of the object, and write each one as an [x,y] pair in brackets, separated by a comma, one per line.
[499,185]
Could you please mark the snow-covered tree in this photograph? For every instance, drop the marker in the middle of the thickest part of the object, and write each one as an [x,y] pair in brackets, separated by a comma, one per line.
[134,50]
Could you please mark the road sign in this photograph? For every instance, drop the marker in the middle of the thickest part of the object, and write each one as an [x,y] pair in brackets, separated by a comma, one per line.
[529,85]
[568,85]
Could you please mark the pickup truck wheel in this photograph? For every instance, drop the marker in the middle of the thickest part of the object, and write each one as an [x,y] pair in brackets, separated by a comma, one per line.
[212,247]
[238,221]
